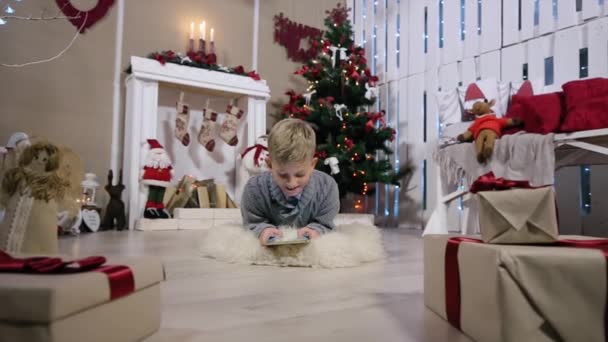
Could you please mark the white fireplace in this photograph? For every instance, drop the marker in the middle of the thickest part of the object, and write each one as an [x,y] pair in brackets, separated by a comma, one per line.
[143,121]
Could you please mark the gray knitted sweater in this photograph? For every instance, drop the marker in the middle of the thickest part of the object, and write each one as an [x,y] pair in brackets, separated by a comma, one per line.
[264,205]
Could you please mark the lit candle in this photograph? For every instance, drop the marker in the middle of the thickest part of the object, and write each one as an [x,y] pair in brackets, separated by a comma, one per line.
[191,40]
[211,43]
[202,29]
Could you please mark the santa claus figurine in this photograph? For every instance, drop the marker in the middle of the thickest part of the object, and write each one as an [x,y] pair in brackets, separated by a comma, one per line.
[156,174]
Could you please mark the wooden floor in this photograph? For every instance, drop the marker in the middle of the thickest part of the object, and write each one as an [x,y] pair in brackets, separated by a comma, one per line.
[206,300]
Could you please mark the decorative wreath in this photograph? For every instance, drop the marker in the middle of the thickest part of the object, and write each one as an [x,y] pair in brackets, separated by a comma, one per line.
[84,20]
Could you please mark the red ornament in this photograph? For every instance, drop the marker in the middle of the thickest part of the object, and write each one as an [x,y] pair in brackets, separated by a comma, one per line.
[349,144]
[84,20]
[289,34]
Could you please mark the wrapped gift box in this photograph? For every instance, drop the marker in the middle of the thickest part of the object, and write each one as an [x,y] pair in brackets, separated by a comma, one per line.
[77,307]
[518,216]
[517,292]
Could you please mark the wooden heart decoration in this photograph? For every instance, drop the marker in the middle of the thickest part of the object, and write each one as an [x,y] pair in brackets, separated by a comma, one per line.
[91,219]
[291,35]
[84,20]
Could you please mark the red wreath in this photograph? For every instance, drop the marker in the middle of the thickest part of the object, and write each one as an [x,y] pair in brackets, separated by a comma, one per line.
[289,34]
[84,20]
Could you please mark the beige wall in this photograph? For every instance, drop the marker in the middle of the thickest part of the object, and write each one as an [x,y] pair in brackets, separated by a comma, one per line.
[274,65]
[69,100]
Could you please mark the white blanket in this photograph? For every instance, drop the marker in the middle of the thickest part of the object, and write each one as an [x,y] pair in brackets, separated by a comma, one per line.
[521,156]
[349,245]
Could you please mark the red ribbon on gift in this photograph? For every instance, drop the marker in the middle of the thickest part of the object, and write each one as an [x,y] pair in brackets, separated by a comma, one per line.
[120,277]
[452,273]
[489,182]
[452,279]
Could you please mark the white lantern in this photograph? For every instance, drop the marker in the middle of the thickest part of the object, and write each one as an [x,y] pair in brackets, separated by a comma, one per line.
[89,188]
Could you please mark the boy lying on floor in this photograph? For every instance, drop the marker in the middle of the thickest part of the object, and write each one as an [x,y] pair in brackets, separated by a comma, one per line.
[292,193]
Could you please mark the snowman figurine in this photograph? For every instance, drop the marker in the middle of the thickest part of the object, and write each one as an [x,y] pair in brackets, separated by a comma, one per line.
[254,157]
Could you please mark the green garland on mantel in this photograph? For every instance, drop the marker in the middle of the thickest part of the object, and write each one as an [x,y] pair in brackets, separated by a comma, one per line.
[199,60]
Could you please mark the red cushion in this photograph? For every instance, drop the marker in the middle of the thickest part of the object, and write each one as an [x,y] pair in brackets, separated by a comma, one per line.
[587,103]
[587,114]
[580,90]
[516,110]
[541,114]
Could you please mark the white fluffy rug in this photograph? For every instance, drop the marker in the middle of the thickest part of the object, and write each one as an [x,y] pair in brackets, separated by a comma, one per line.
[349,245]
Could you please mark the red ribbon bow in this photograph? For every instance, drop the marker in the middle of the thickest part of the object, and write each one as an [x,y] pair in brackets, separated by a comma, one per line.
[452,274]
[120,277]
[489,182]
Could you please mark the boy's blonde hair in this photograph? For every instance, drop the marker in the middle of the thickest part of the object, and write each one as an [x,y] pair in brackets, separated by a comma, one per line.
[291,140]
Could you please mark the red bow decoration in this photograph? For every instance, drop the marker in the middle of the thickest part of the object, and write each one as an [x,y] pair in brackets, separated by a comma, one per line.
[373,117]
[489,182]
[120,277]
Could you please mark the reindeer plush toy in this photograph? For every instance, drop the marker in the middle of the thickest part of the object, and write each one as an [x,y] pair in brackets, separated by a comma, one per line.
[486,129]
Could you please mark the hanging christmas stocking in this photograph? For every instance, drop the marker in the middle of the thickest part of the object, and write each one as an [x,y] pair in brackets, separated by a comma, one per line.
[181,123]
[230,124]
[205,135]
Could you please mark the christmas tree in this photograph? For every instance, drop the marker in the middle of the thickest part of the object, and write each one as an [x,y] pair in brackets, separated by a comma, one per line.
[337,103]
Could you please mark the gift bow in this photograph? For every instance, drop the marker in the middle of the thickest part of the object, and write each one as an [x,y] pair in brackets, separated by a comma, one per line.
[339,108]
[370,91]
[335,49]
[120,277]
[489,182]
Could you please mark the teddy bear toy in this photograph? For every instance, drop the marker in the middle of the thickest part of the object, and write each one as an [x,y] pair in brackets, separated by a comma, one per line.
[486,129]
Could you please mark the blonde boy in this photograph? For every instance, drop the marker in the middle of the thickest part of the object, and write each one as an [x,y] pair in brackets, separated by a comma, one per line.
[292,192]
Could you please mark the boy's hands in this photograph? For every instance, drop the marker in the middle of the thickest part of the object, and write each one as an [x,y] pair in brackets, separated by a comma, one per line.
[311,233]
[268,232]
